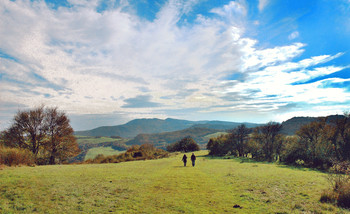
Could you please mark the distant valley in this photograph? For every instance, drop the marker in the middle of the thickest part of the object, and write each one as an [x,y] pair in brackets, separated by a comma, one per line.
[156,126]
[164,132]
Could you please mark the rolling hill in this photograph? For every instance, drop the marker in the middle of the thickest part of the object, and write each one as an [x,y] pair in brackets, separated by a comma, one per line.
[289,127]
[153,126]
[156,131]
[161,140]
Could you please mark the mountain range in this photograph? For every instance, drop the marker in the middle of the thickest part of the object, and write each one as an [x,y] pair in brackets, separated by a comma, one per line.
[155,126]
[163,132]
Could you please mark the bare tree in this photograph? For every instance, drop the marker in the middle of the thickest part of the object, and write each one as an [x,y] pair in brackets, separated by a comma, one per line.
[27,131]
[314,138]
[42,130]
[239,139]
[61,143]
[270,139]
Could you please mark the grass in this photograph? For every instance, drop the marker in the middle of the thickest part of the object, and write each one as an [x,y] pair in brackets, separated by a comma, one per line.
[81,140]
[164,186]
[106,151]
[217,134]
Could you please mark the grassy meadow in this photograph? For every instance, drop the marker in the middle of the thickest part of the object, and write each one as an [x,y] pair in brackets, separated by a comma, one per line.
[214,185]
[106,151]
[81,140]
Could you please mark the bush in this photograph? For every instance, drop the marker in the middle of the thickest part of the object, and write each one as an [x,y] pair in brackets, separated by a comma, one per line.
[218,146]
[15,157]
[344,196]
[340,185]
[186,144]
[293,153]
[329,196]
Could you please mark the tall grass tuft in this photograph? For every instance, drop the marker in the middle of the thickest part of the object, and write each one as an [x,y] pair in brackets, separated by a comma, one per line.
[339,178]
[15,157]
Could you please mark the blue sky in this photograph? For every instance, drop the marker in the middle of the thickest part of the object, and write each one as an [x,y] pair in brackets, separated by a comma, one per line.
[105,62]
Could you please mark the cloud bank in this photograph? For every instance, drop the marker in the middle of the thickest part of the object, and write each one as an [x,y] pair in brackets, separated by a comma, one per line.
[115,61]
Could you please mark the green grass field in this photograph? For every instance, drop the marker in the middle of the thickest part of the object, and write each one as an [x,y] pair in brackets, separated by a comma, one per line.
[81,140]
[217,134]
[164,186]
[106,151]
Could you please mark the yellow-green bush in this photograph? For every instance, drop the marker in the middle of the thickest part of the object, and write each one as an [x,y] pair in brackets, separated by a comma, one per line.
[15,157]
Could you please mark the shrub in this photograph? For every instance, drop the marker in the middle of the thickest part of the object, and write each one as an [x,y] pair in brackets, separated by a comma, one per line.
[294,151]
[344,196]
[186,144]
[218,146]
[329,196]
[340,185]
[15,157]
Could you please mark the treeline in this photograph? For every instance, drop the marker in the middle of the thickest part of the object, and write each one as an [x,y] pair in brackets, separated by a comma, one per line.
[318,144]
[135,152]
[39,136]
[187,144]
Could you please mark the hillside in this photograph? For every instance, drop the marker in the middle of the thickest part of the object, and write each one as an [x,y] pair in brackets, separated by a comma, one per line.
[161,140]
[152,126]
[88,143]
[222,125]
[214,185]
[138,126]
[289,127]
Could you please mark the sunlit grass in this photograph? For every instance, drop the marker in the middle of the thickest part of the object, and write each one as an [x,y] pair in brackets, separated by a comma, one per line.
[106,151]
[164,186]
[217,134]
[96,140]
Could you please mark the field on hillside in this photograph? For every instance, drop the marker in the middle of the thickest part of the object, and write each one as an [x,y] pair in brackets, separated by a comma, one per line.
[214,185]
[81,140]
[92,146]
[106,151]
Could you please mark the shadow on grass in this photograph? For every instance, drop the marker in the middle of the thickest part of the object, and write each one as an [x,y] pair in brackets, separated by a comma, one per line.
[301,168]
[250,160]
[180,166]
[237,159]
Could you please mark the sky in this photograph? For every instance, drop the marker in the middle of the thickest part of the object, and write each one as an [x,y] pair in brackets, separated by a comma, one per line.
[106,62]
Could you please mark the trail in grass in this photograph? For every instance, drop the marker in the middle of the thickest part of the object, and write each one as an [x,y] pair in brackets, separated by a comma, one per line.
[228,186]
[205,188]
[188,188]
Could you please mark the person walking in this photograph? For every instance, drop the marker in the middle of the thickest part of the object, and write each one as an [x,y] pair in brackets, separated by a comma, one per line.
[184,159]
[193,159]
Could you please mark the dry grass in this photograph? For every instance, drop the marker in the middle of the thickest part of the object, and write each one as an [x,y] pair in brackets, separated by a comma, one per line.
[15,157]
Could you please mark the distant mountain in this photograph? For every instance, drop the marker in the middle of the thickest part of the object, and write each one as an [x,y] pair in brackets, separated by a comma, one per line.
[138,126]
[152,126]
[291,126]
[222,125]
[161,140]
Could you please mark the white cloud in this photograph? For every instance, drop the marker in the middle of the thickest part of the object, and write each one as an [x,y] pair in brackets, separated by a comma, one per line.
[293,35]
[272,87]
[231,9]
[87,62]
[263,4]
[94,56]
